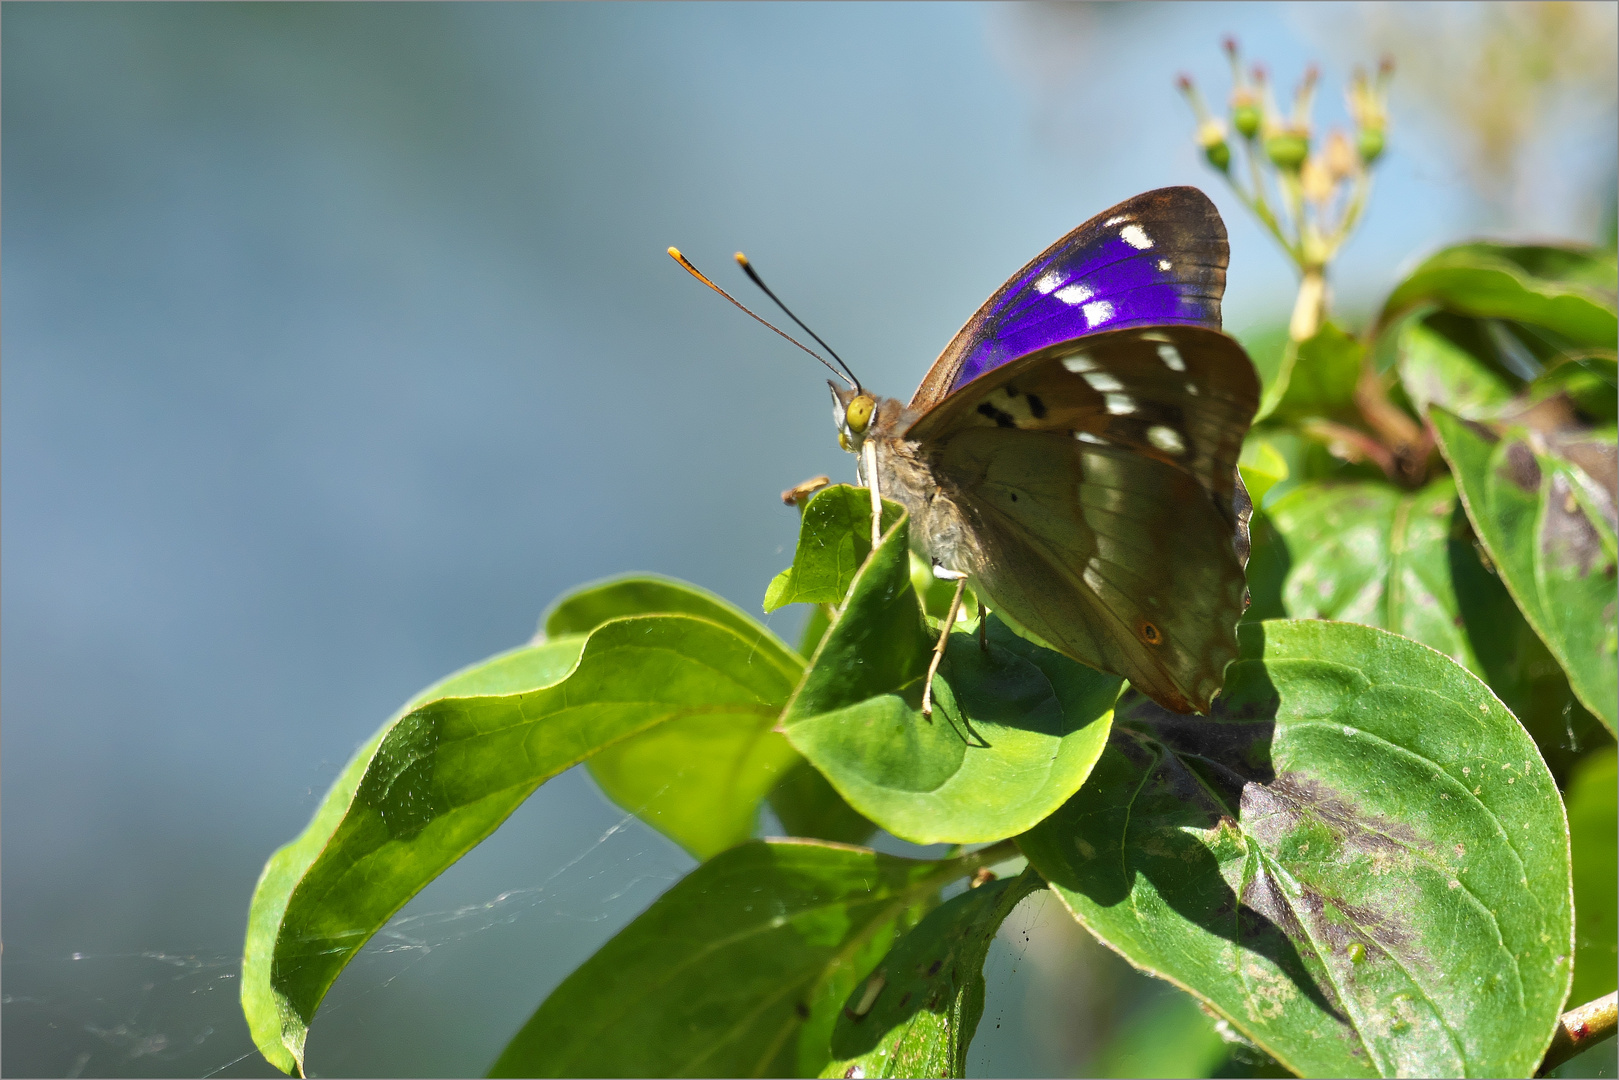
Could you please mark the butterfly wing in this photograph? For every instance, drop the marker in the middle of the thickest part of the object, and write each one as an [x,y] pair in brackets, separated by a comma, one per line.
[1157,259]
[1099,479]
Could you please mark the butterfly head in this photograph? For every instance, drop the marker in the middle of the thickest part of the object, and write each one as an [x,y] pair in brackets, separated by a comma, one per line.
[853,410]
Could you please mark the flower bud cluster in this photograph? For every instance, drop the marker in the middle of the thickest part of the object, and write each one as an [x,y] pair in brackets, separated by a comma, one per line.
[1320,183]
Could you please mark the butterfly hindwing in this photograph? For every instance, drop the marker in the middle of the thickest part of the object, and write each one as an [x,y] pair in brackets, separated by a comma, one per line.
[1155,260]
[1100,478]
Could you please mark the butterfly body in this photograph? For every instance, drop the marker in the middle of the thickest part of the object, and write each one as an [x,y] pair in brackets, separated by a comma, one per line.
[1087,484]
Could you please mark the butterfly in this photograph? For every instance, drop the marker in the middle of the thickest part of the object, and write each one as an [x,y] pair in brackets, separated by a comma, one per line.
[1072,454]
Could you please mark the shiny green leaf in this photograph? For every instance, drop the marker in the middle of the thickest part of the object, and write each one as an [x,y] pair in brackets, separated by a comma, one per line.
[1015,728]
[1593,829]
[1548,527]
[1566,291]
[1358,858]
[451,767]
[917,1013]
[738,970]
[834,538]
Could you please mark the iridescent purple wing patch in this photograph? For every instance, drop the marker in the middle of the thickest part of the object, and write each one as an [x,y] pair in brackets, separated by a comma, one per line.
[1157,259]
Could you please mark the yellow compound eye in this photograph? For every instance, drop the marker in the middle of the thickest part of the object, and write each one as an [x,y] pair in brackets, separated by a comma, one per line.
[859,413]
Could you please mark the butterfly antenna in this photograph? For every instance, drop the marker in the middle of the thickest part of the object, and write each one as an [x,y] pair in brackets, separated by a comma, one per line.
[674,253]
[753,276]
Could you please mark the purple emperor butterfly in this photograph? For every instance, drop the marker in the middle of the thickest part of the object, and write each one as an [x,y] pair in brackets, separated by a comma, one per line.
[1073,451]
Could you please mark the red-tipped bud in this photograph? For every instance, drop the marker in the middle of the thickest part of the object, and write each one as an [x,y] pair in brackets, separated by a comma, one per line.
[1183,83]
[1229,44]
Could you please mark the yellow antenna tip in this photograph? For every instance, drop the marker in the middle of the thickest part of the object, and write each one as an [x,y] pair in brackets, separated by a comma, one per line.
[741,259]
[674,253]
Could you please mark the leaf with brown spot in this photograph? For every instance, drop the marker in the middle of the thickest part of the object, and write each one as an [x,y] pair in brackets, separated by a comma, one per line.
[1547,523]
[1371,553]
[1292,858]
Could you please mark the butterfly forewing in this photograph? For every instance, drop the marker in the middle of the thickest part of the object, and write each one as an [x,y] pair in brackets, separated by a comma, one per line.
[1100,475]
[1155,260]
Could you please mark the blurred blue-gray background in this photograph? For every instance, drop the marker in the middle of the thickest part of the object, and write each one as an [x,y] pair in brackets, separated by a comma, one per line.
[339,339]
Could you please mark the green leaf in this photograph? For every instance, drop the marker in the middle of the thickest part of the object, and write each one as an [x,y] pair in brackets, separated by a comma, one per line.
[834,538]
[738,970]
[1262,467]
[1549,529]
[698,779]
[917,1013]
[1565,291]
[450,768]
[588,606]
[809,806]
[1317,377]
[1015,729]
[1593,828]
[1438,368]
[1358,858]
[1371,553]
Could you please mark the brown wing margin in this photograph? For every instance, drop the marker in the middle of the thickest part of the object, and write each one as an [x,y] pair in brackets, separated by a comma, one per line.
[1185,207]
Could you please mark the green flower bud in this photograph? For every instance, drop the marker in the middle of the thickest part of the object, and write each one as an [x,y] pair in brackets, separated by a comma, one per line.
[1370,144]
[1287,150]
[1246,119]
[1218,154]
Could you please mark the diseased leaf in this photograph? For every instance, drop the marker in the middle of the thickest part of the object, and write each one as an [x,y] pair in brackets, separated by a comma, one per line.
[1593,827]
[1015,728]
[834,538]
[1565,291]
[809,806]
[917,1013]
[738,970]
[1358,858]
[1548,526]
[451,767]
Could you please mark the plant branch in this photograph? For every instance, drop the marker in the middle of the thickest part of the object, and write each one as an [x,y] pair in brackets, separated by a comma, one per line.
[1580,1029]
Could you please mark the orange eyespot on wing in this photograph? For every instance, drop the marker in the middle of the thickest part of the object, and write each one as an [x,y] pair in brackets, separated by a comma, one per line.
[1149,633]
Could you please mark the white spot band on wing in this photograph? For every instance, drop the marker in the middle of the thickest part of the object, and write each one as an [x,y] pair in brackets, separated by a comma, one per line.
[1164,264]
[1166,439]
[1120,404]
[1102,381]
[1171,357]
[1079,363]
[1097,312]
[1085,436]
[1112,221]
[1074,294]
[1136,237]
[1048,281]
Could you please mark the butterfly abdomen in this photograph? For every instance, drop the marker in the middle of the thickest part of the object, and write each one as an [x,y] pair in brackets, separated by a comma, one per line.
[940,531]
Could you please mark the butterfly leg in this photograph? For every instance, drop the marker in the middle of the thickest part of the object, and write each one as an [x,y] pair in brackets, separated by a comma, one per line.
[869,456]
[944,635]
